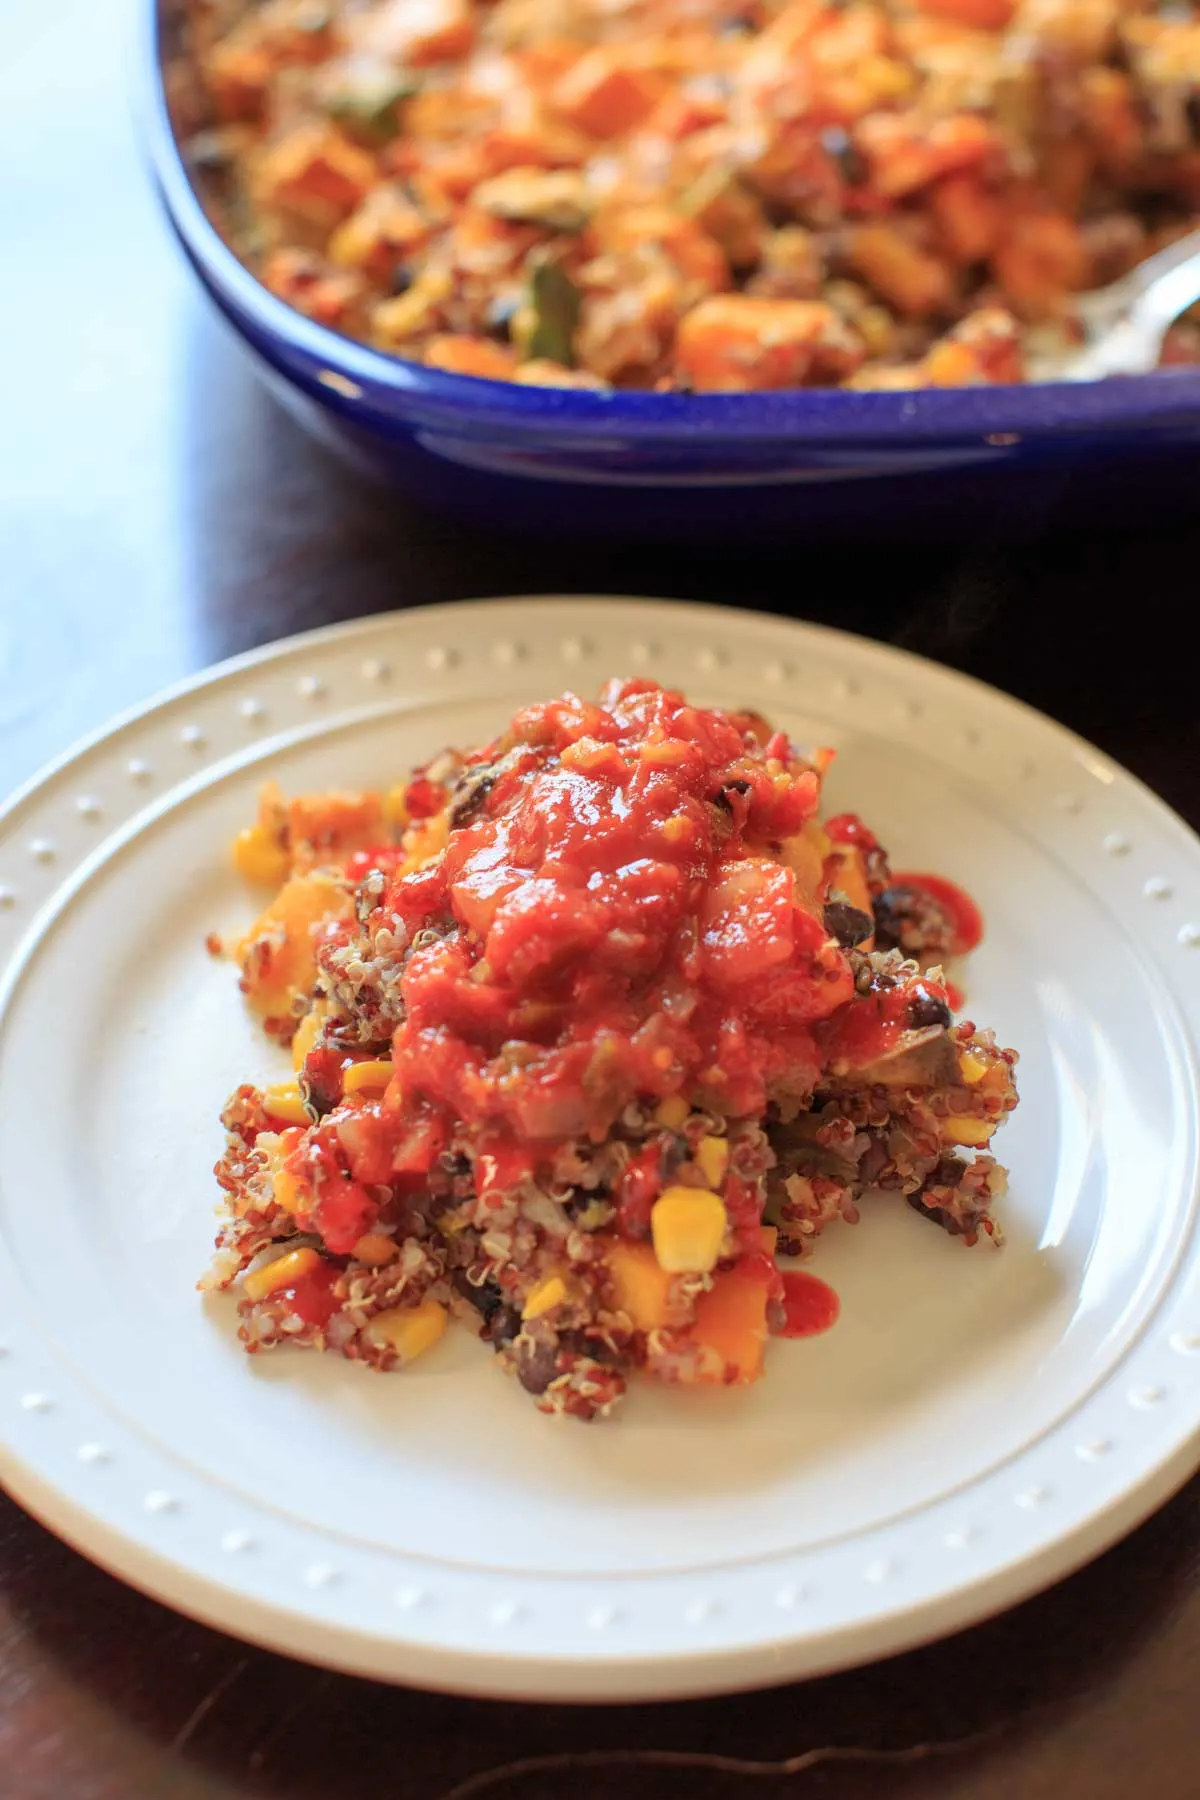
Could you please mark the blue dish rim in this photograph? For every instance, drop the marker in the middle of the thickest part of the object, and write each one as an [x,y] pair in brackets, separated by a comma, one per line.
[1165,401]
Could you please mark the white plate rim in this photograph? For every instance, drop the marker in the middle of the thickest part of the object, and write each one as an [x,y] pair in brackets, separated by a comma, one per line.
[1166,1404]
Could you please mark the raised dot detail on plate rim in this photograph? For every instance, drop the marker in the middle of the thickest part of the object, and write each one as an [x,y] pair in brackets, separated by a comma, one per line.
[504,1612]
[882,1569]
[43,850]
[599,1618]
[310,687]
[251,709]
[159,1501]
[407,1598]
[1189,936]
[1116,843]
[88,807]
[193,737]
[236,1540]
[788,1596]
[960,1537]
[36,1402]
[1069,803]
[1152,1394]
[138,769]
[94,1453]
[574,650]
[698,1612]
[970,735]
[1030,1498]
[846,687]
[506,652]
[441,656]
[320,1575]
[1157,887]
[375,669]
[8,898]
[710,658]
[1187,1343]
[1094,1450]
[642,652]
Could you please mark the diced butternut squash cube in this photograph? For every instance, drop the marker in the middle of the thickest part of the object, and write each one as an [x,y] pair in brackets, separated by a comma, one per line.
[545,1296]
[375,1249]
[736,341]
[712,1159]
[959,1129]
[731,1321]
[640,1286]
[602,96]
[672,1112]
[278,954]
[328,827]
[306,1036]
[260,857]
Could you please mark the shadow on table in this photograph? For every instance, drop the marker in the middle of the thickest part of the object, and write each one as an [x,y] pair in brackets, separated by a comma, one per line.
[1008,1709]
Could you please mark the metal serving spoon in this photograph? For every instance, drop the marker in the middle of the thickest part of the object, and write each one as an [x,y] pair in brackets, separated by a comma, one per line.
[1124,324]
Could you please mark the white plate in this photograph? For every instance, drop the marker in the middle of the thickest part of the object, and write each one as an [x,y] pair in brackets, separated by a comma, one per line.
[980,1421]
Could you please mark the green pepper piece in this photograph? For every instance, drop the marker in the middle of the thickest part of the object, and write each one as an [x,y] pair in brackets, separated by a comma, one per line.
[554,299]
[364,101]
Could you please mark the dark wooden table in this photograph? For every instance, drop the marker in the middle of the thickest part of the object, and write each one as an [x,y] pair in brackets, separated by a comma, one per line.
[157,513]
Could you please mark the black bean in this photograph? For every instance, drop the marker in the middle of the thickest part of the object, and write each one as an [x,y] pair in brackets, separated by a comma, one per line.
[485,1296]
[908,919]
[731,787]
[927,1008]
[470,797]
[851,166]
[537,1366]
[504,1325]
[402,278]
[848,924]
[499,316]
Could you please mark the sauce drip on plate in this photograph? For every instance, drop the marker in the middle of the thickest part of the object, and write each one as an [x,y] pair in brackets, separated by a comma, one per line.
[962,910]
[810,1305]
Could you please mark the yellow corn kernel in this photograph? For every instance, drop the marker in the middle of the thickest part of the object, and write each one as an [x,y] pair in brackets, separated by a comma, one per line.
[972,1068]
[688,1227]
[677,830]
[283,1100]
[280,1274]
[408,1330]
[712,1157]
[671,1112]
[288,1192]
[259,857]
[304,1039]
[366,1075]
[957,1129]
[395,806]
[545,1296]
[376,1249]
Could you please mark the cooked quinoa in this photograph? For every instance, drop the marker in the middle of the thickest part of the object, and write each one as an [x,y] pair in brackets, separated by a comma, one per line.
[593,1029]
[697,194]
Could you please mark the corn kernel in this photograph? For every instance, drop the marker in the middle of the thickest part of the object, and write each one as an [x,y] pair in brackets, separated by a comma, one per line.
[366,1075]
[408,1330]
[375,1249]
[677,830]
[712,1157]
[688,1227]
[283,1100]
[304,1038]
[288,1192]
[395,806]
[671,1112]
[280,1274]
[957,1129]
[259,857]
[545,1296]
[972,1068]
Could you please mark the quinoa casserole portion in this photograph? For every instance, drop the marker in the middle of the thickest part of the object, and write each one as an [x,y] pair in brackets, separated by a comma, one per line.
[594,1029]
[696,195]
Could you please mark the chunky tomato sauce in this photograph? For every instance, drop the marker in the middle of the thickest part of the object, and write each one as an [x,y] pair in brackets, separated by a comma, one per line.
[810,1305]
[615,921]
[959,907]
